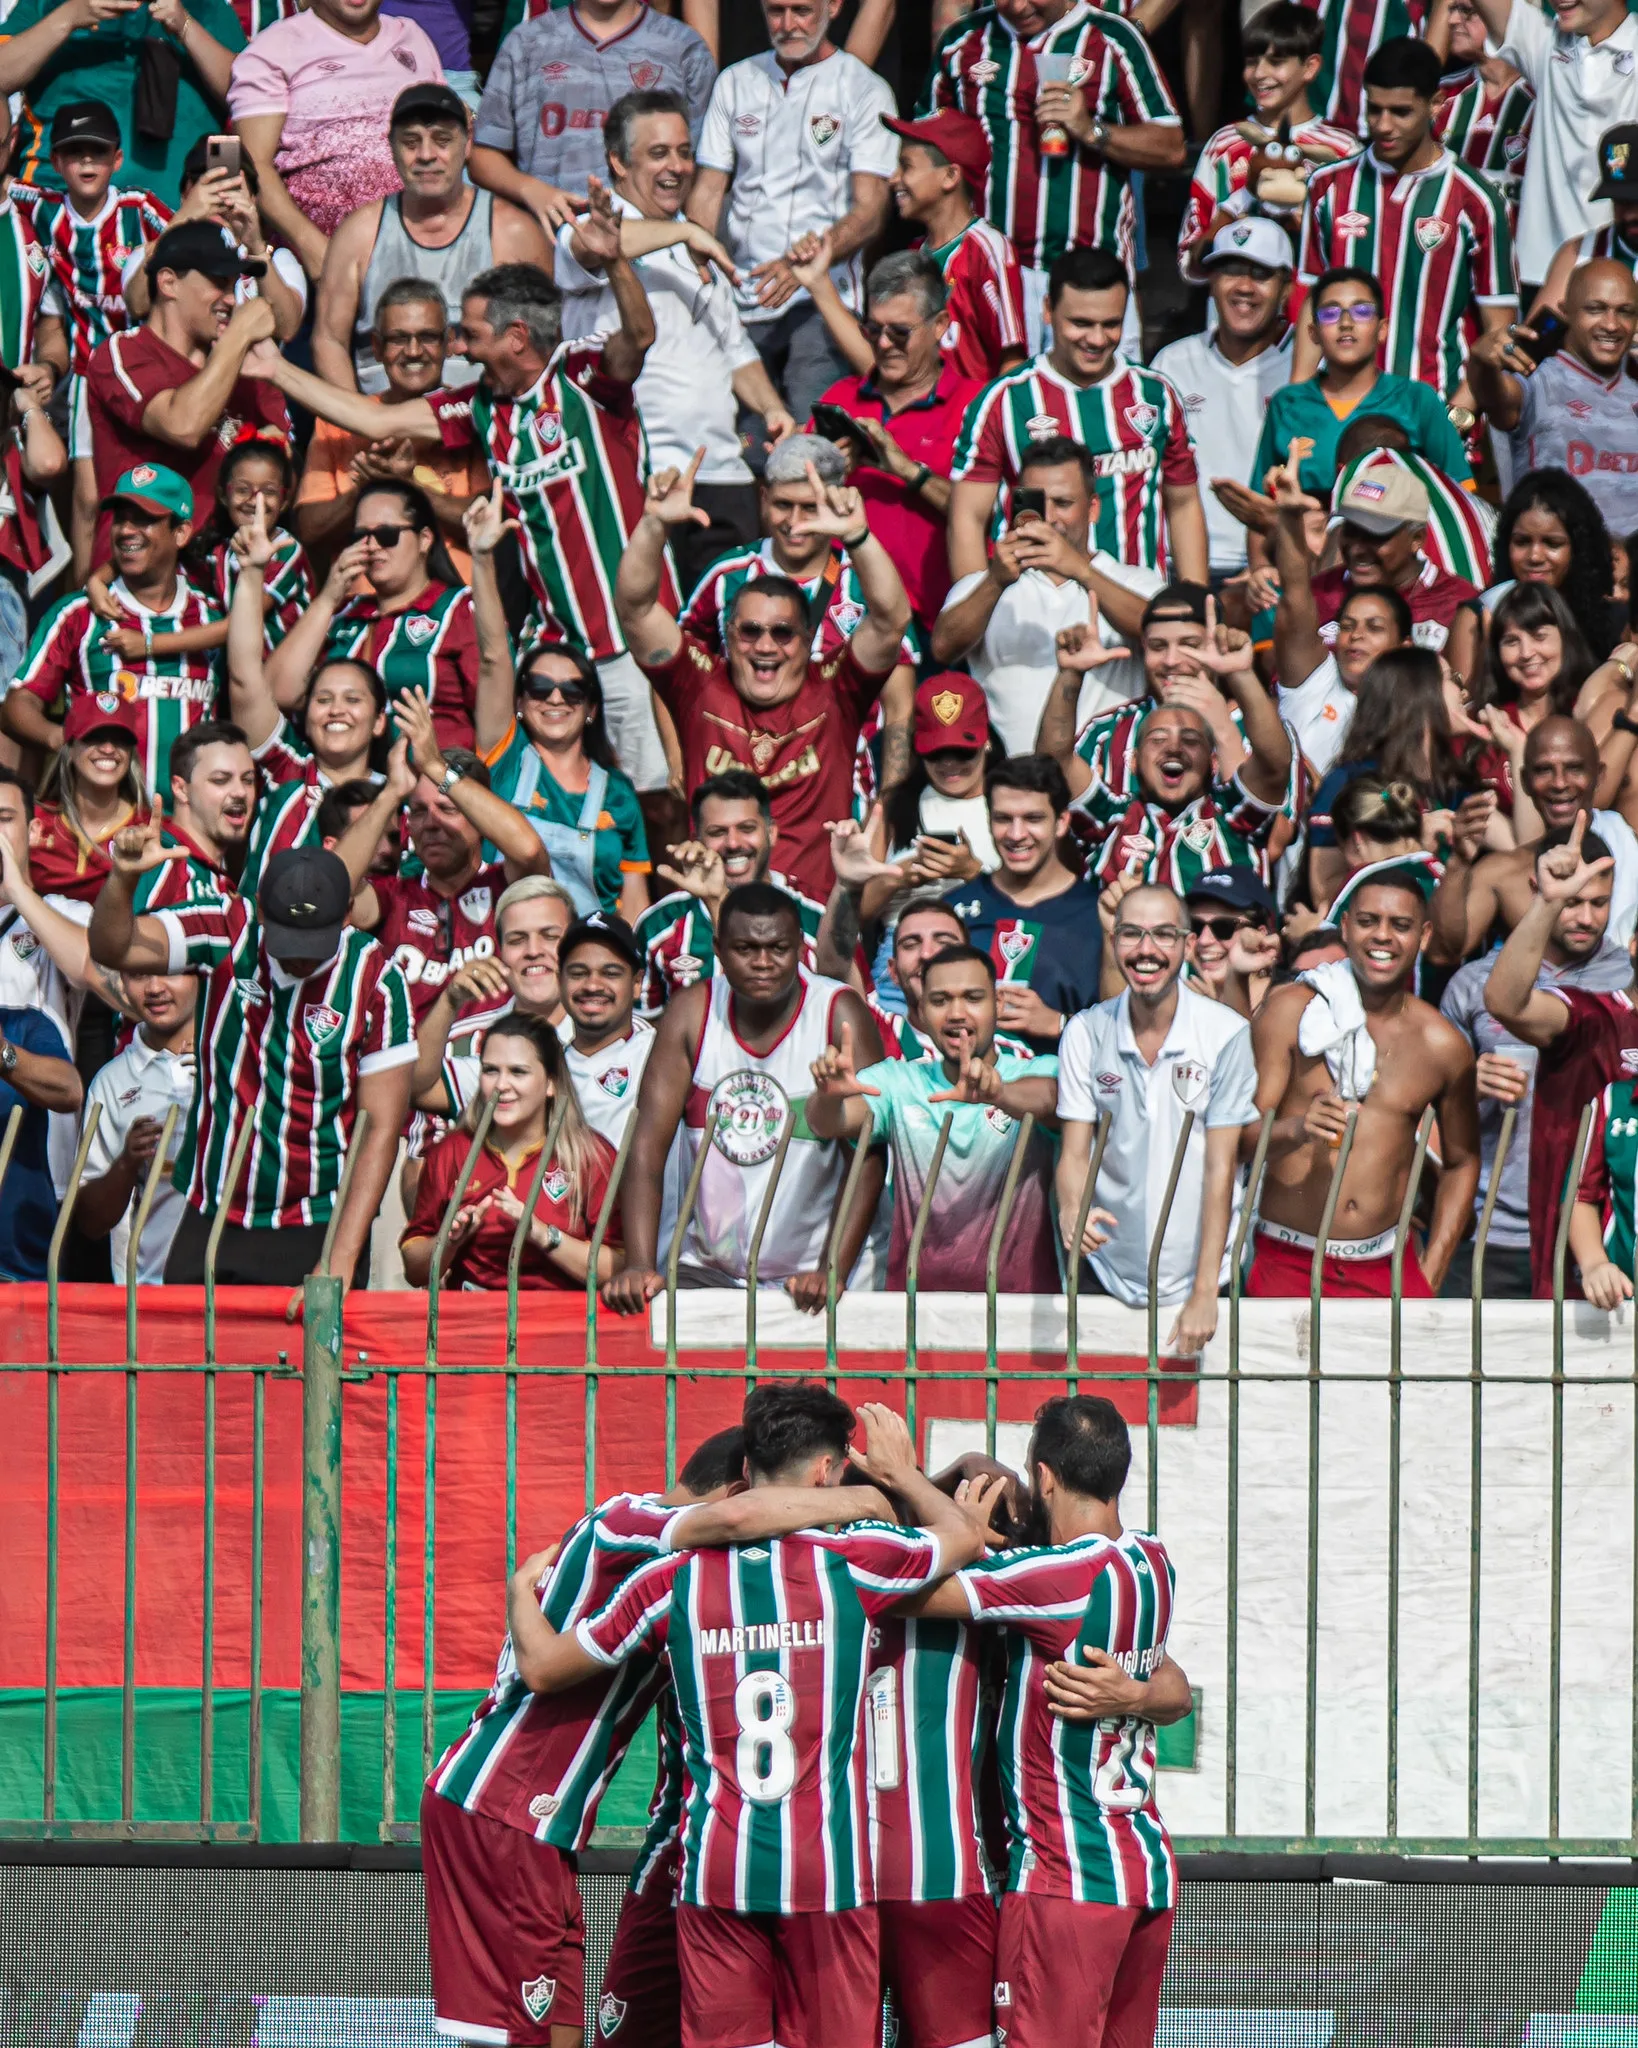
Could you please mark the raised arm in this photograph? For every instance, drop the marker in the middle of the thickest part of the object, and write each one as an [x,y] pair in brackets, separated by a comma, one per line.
[769,1511]
[261,135]
[410,419]
[1497,368]
[652,633]
[1510,993]
[251,703]
[660,1103]
[357,845]
[547,1661]
[839,513]
[889,1458]
[810,261]
[495,699]
[116,936]
[1079,650]
[187,413]
[1298,648]
[598,233]
[838,1105]
[289,668]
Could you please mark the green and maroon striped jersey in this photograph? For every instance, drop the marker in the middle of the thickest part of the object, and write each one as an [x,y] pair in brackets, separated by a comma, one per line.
[1438,242]
[571,456]
[541,1762]
[927,1735]
[430,646]
[665,1810]
[1079,1795]
[25,271]
[287,1056]
[769,1649]
[1047,204]
[88,257]
[1490,131]
[1460,524]
[1352,30]
[1609,1174]
[1131,422]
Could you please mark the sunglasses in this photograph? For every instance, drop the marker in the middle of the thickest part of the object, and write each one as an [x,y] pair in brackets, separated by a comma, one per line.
[546,687]
[1221,928]
[1358,309]
[891,331]
[781,636]
[383,536]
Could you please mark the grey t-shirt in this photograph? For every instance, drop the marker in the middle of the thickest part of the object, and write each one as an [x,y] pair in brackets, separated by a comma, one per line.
[552,84]
[1576,420]
[1609,968]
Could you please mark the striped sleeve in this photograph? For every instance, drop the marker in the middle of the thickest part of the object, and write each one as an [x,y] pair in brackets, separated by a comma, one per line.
[389,1024]
[1314,236]
[887,1564]
[52,663]
[1140,92]
[202,930]
[1490,254]
[636,1619]
[980,447]
[1026,1590]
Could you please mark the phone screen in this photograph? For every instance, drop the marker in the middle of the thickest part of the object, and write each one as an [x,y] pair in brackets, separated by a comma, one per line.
[1027,502]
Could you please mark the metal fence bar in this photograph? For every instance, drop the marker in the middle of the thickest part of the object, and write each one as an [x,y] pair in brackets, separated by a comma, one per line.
[321,1559]
[344,1187]
[1556,1557]
[840,1224]
[912,1272]
[1475,1485]
[611,1195]
[258,1507]
[218,1223]
[1315,1280]
[1231,1688]
[753,1257]
[1396,1302]
[59,1232]
[1152,1407]
[139,1223]
[389,1623]
[685,1216]
[440,1244]
[514,1281]
[992,1278]
[1075,1256]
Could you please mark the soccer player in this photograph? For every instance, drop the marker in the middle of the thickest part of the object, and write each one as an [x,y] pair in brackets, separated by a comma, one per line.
[769,1646]
[513,1799]
[1375,1049]
[733,842]
[1130,419]
[1086,1908]
[1431,229]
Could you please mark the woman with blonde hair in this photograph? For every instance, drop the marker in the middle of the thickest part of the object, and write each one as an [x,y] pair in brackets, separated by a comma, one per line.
[524,1071]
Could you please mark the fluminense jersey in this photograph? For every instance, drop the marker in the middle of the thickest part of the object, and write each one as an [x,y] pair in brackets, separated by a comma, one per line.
[902,1041]
[287,582]
[1489,131]
[431,936]
[986,299]
[1132,423]
[1460,524]
[1438,241]
[70,657]
[1079,1795]
[286,1054]
[88,258]
[25,272]
[201,878]
[665,1809]
[1607,242]
[570,455]
[1223,167]
[1044,204]
[769,1649]
[430,646]
[926,1738]
[541,1762]
[1353,29]
[1609,1174]
[679,945]
[706,613]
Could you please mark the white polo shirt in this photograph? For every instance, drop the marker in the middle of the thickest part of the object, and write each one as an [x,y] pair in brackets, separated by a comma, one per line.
[791,143]
[685,393]
[1224,404]
[1580,91]
[141,1082]
[1205,1065]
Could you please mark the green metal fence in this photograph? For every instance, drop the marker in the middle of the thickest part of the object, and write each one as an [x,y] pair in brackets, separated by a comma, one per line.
[323,1373]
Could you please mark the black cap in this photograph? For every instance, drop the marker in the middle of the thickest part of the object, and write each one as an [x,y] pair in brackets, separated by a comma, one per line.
[602,928]
[304,898]
[1618,163]
[200,245]
[85,121]
[430,100]
[1235,888]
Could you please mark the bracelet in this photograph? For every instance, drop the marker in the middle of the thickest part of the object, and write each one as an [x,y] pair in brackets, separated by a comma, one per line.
[856,540]
[922,477]
[1624,666]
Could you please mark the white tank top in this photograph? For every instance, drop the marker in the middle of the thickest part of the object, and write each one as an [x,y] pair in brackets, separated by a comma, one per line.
[759,1092]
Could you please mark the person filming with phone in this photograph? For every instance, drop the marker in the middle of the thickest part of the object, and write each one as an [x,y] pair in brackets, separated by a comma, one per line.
[1565,391]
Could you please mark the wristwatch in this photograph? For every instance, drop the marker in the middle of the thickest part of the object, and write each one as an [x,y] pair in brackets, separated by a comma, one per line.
[554,1237]
[8,1057]
[1098,139]
[448,780]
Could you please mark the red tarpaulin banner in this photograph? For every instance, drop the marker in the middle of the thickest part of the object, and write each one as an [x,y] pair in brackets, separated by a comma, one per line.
[469,1493]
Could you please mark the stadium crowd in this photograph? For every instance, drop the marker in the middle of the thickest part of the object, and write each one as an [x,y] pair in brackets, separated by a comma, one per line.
[630,598]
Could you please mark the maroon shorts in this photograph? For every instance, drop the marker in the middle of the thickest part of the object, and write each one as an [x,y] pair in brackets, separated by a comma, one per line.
[641,2005]
[805,1980]
[1069,1975]
[504,1933]
[938,1960]
[1286,1269]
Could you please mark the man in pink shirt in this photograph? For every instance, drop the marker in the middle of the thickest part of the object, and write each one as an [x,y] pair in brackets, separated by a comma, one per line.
[311,100]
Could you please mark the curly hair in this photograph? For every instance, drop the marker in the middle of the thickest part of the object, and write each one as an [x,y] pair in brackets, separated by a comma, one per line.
[1590,578]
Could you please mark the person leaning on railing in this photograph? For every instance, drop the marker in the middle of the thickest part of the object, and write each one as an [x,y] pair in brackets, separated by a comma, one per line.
[525,1073]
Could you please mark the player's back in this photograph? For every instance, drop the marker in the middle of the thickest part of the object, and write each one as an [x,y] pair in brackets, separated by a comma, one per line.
[927,1727]
[1080,1798]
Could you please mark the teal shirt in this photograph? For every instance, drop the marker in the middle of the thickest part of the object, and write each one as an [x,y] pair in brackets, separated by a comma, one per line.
[103,63]
[621,847]
[1301,411]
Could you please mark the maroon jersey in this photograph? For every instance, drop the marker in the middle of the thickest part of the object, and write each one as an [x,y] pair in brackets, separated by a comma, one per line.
[429,936]
[1599,1046]
[1434,599]
[926,1736]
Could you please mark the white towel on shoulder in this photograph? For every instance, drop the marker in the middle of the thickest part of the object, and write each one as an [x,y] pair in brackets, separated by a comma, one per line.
[1333,1027]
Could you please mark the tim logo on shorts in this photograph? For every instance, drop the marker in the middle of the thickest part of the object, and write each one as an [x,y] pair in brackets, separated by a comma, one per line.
[537,1997]
[610,2012]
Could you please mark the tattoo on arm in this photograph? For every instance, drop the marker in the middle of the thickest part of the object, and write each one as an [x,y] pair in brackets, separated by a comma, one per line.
[895,755]
[844,923]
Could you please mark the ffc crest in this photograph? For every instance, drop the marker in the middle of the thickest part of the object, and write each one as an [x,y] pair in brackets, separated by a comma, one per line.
[419,628]
[538,1994]
[320,1022]
[1141,418]
[1430,233]
[947,706]
[610,2012]
[824,128]
[476,904]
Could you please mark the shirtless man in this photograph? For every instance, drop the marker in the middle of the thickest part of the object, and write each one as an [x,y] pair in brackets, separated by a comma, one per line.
[1379,1050]
[1559,775]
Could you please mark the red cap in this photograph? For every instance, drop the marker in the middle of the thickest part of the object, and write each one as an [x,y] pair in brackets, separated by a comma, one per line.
[958,136]
[951,712]
[100,711]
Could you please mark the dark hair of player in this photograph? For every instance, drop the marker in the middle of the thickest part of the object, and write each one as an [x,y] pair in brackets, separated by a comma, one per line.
[719,1461]
[757,899]
[1083,1443]
[1404,64]
[789,1425]
[732,786]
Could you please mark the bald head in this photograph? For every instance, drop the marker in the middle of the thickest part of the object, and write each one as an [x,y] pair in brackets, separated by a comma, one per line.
[1563,736]
[1601,308]
[1154,903]
[1560,770]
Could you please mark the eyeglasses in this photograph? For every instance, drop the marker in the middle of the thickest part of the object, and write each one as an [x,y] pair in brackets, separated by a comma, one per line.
[893,332]
[1222,928]
[781,636]
[383,536]
[1357,309]
[1162,934]
[544,688]
[422,337]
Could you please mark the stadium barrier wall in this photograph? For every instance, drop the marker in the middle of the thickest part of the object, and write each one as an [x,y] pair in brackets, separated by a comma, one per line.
[1381,1580]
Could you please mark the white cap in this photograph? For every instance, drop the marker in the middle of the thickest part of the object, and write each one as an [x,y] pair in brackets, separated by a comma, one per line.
[1251,240]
